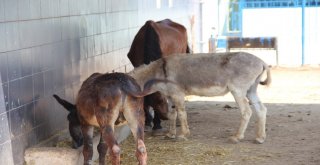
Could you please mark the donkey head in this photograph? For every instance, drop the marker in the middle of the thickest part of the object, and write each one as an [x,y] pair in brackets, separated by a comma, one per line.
[74,123]
[159,103]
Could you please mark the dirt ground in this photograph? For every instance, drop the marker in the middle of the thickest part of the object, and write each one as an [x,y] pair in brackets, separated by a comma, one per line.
[293,128]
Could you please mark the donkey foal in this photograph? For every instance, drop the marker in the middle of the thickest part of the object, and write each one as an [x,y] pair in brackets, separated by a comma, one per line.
[103,101]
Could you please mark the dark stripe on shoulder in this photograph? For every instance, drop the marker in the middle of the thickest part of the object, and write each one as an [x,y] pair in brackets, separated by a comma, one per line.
[164,67]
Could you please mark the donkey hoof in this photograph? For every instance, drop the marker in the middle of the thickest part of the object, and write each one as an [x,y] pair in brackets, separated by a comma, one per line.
[181,138]
[116,149]
[159,132]
[260,140]
[234,139]
[170,136]
[147,128]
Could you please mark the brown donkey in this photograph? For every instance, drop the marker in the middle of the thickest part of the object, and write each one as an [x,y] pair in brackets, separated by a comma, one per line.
[153,41]
[106,100]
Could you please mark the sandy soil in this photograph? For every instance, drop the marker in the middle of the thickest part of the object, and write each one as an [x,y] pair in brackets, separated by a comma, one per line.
[293,128]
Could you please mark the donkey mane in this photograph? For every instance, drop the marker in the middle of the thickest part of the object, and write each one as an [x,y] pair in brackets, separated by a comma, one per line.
[143,73]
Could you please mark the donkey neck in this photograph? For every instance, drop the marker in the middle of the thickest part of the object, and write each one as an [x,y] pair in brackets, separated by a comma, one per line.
[144,72]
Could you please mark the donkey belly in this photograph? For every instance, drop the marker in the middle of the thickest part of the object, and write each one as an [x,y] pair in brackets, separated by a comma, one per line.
[207,91]
[94,122]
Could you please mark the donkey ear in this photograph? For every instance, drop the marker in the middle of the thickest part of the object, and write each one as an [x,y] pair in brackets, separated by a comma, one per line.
[67,105]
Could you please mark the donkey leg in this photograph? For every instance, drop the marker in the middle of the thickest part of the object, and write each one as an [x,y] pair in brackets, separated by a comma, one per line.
[141,152]
[135,118]
[148,117]
[106,119]
[179,103]
[156,121]
[102,149]
[172,116]
[261,112]
[182,116]
[113,146]
[87,144]
[246,113]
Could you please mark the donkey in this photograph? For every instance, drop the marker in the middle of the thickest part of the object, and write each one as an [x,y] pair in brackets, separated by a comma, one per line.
[103,101]
[209,75]
[74,123]
[153,41]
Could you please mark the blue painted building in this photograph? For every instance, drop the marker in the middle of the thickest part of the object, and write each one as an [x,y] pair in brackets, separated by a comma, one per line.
[293,22]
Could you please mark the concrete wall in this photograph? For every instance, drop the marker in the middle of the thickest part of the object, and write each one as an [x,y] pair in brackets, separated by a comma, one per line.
[51,46]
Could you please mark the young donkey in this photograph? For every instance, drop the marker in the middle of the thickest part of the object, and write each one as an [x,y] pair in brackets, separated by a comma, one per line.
[103,101]
[209,75]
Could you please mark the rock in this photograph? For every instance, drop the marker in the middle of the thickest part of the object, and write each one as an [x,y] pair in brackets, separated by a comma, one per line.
[227,106]
[300,119]
[68,156]
[56,155]
[309,113]
[229,130]
[52,156]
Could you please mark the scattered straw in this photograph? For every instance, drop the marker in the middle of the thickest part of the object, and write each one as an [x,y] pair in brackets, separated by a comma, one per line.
[169,152]
[64,144]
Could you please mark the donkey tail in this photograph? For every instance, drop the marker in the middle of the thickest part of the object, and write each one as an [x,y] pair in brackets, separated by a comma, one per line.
[267,81]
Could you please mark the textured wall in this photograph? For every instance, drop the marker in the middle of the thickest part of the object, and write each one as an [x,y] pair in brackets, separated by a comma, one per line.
[51,46]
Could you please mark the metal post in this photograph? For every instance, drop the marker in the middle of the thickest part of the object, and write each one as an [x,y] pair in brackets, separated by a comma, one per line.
[212,41]
[201,25]
[240,10]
